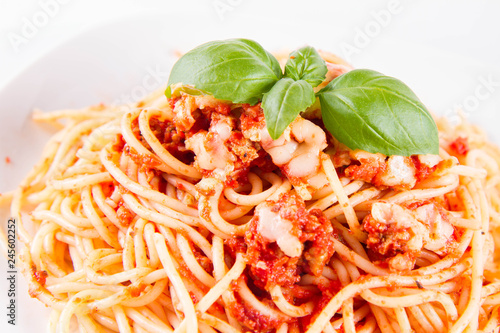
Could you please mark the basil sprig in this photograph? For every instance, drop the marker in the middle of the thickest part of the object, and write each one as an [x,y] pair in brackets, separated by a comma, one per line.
[294,93]
[363,109]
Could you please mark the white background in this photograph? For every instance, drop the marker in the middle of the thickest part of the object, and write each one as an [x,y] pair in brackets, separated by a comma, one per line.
[71,53]
[442,49]
[468,29]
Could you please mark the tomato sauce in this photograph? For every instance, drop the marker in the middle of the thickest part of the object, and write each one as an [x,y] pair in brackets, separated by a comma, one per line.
[460,146]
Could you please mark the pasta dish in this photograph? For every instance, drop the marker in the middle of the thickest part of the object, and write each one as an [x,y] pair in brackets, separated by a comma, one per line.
[183,214]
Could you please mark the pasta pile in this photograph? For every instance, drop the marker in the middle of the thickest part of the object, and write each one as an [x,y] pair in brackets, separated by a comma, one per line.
[135,232]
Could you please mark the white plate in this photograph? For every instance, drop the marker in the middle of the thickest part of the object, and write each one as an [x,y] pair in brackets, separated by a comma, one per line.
[123,60]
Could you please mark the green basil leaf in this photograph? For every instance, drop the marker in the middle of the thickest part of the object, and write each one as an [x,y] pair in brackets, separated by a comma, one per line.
[238,70]
[306,64]
[283,103]
[367,110]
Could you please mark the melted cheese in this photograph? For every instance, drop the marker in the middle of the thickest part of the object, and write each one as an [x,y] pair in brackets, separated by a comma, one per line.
[431,230]
[276,229]
[209,155]
[439,230]
[400,171]
[429,160]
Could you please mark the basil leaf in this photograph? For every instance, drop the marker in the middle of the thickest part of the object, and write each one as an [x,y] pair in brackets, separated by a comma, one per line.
[238,70]
[367,110]
[283,103]
[306,64]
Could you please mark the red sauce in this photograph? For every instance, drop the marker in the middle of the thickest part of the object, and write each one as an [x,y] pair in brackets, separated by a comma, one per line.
[371,170]
[250,317]
[243,153]
[422,171]
[412,205]
[172,139]
[223,108]
[118,144]
[252,117]
[460,146]
[172,101]
[242,148]
[269,266]
[204,262]
[145,161]
[234,245]
[137,290]
[329,289]
[108,188]
[386,239]
[40,276]
[341,158]
[201,124]
[443,165]
[366,170]
[124,215]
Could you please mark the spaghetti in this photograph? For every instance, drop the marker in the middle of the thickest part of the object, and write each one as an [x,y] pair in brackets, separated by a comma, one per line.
[184,215]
